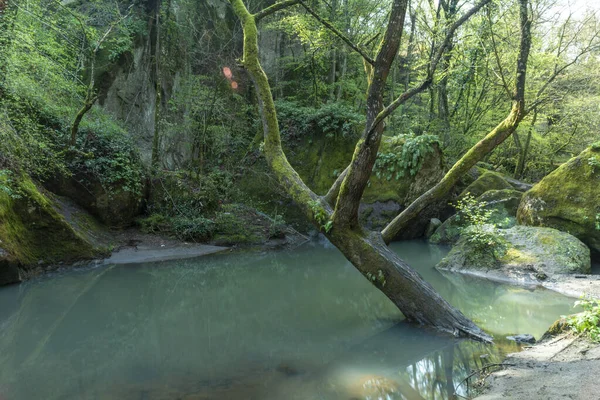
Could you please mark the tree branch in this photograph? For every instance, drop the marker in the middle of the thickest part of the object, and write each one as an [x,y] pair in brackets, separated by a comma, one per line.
[484,146]
[273,9]
[387,111]
[336,31]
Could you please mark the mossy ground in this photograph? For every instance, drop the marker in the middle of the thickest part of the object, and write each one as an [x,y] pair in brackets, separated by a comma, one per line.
[33,231]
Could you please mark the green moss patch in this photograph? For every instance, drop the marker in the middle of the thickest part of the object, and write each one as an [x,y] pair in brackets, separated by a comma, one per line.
[568,199]
[33,231]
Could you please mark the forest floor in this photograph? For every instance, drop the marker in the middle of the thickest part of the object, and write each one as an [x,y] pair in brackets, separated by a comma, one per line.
[563,367]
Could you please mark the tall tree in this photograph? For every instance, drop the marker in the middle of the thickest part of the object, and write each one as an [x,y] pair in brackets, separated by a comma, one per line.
[337,213]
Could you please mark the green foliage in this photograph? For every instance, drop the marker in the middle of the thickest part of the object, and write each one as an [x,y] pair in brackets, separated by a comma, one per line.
[598,222]
[331,120]
[277,227]
[7,184]
[479,231]
[320,216]
[594,163]
[109,157]
[587,322]
[377,278]
[414,149]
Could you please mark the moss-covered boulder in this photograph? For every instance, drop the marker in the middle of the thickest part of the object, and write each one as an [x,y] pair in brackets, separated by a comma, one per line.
[521,254]
[504,204]
[37,231]
[487,181]
[568,199]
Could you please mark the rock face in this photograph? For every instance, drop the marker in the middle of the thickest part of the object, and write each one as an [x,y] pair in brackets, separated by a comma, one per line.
[504,202]
[113,206]
[531,254]
[36,231]
[568,199]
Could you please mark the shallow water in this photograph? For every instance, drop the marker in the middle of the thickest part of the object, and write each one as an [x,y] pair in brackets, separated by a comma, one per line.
[300,324]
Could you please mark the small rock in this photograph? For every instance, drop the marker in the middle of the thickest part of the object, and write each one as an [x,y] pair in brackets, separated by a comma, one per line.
[523,338]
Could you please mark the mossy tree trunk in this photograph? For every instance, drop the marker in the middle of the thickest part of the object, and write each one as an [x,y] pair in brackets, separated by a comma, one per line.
[417,300]
[484,147]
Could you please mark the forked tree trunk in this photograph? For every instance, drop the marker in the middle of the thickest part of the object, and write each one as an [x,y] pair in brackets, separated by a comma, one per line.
[415,298]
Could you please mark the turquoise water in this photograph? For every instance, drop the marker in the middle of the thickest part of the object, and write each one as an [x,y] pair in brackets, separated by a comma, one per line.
[301,324]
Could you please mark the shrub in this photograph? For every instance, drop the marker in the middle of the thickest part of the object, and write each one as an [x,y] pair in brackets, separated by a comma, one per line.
[479,231]
[587,321]
[331,120]
[414,150]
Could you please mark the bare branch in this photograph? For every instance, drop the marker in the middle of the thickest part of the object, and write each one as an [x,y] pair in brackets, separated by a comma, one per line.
[497,56]
[273,9]
[387,111]
[336,31]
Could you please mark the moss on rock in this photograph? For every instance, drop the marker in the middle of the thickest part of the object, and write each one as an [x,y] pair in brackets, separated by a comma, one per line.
[568,199]
[487,181]
[33,232]
[531,254]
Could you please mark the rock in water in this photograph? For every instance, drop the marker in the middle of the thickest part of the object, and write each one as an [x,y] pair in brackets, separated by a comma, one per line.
[523,338]
[529,254]
[568,199]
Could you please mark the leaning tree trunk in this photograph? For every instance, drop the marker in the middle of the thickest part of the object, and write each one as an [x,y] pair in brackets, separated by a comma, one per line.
[415,298]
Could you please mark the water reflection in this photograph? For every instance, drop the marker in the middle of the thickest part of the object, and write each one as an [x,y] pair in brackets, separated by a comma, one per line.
[294,325]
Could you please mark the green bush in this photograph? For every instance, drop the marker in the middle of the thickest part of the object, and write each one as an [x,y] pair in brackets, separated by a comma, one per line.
[414,149]
[587,322]
[331,120]
[479,231]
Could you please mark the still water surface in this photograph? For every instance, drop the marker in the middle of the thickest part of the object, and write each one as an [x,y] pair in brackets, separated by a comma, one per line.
[301,324]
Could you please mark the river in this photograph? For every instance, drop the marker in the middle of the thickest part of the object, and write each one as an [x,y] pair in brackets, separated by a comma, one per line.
[300,324]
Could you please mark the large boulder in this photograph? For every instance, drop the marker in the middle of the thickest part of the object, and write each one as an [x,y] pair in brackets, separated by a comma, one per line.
[568,199]
[37,231]
[521,253]
[503,203]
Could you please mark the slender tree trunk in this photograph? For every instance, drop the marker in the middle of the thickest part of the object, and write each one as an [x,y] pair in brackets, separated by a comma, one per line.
[89,102]
[525,149]
[157,88]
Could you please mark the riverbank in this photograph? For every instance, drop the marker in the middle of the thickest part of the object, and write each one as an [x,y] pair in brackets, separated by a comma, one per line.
[561,367]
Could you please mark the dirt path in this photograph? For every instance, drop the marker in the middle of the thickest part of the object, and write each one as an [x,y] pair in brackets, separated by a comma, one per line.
[565,367]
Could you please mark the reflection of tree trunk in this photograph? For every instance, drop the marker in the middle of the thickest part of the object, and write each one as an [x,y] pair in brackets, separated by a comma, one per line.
[449,371]
[44,341]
